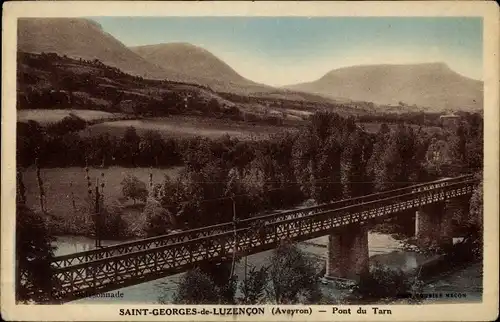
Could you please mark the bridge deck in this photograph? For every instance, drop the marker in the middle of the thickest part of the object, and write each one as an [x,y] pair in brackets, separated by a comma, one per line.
[147,243]
[84,274]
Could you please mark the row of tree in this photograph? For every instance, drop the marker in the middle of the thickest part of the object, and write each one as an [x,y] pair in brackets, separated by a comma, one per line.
[276,173]
[329,159]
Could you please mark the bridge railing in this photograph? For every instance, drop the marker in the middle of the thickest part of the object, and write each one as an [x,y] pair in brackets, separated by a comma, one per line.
[134,267]
[138,245]
[159,241]
[352,201]
[422,197]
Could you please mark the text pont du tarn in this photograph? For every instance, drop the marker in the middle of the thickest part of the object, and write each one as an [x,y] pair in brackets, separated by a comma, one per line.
[360,310]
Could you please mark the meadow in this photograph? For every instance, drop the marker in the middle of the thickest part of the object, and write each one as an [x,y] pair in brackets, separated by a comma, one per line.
[44,116]
[60,184]
[187,126]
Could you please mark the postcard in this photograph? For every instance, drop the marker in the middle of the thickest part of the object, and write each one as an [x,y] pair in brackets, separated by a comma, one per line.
[223,161]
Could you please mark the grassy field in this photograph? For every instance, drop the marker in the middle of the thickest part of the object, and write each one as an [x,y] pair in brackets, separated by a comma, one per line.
[184,126]
[60,183]
[52,116]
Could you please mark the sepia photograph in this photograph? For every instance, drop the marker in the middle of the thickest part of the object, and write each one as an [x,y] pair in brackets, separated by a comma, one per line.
[247,160]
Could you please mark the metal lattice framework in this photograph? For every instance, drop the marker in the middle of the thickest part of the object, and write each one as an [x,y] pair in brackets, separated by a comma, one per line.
[143,244]
[87,273]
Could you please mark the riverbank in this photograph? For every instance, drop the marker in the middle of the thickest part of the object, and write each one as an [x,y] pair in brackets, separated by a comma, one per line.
[462,285]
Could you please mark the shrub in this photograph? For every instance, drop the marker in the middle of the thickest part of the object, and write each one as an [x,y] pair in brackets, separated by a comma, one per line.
[34,252]
[382,283]
[292,276]
[71,123]
[157,221]
[113,222]
[254,287]
[133,188]
[195,287]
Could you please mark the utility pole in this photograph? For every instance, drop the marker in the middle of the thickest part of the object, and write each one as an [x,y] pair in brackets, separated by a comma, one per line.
[151,181]
[245,278]
[97,217]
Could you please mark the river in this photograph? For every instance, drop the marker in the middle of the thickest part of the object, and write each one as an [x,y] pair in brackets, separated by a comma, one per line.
[382,248]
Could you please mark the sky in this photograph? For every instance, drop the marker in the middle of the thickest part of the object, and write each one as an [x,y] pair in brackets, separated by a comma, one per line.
[286,50]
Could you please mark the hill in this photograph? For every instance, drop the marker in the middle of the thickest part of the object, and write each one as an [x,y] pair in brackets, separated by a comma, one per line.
[431,85]
[194,64]
[50,81]
[85,39]
[82,38]
[190,60]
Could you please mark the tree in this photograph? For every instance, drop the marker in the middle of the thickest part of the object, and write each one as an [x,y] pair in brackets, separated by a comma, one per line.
[438,159]
[173,102]
[293,277]
[213,107]
[130,146]
[382,283]
[327,179]
[208,284]
[34,253]
[254,286]
[473,223]
[242,155]
[220,275]
[195,287]
[30,140]
[152,148]
[157,218]
[133,188]
[282,153]
[354,165]
[475,143]
[69,83]
[197,154]
[476,207]
[70,123]
[205,192]
[394,161]
[172,195]
[305,160]
[112,220]
[458,145]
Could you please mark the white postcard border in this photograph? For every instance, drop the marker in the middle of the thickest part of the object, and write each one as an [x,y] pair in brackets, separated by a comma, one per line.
[486,310]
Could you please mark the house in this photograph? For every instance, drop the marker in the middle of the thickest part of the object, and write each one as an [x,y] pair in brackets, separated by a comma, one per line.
[450,120]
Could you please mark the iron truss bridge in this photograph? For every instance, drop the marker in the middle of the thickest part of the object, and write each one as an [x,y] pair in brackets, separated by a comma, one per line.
[84,274]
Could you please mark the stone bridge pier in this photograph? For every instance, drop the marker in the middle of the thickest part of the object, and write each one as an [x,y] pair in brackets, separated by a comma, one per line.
[347,253]
[434,222]
[432,226]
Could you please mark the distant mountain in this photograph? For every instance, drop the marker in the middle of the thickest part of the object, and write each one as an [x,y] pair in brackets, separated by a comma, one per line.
[82,38]
[198,65]
[181,62]
[189,59]
[432,85]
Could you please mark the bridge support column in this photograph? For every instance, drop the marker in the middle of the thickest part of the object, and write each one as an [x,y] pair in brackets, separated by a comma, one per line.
[347,254]
[457,209]
[433,225]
